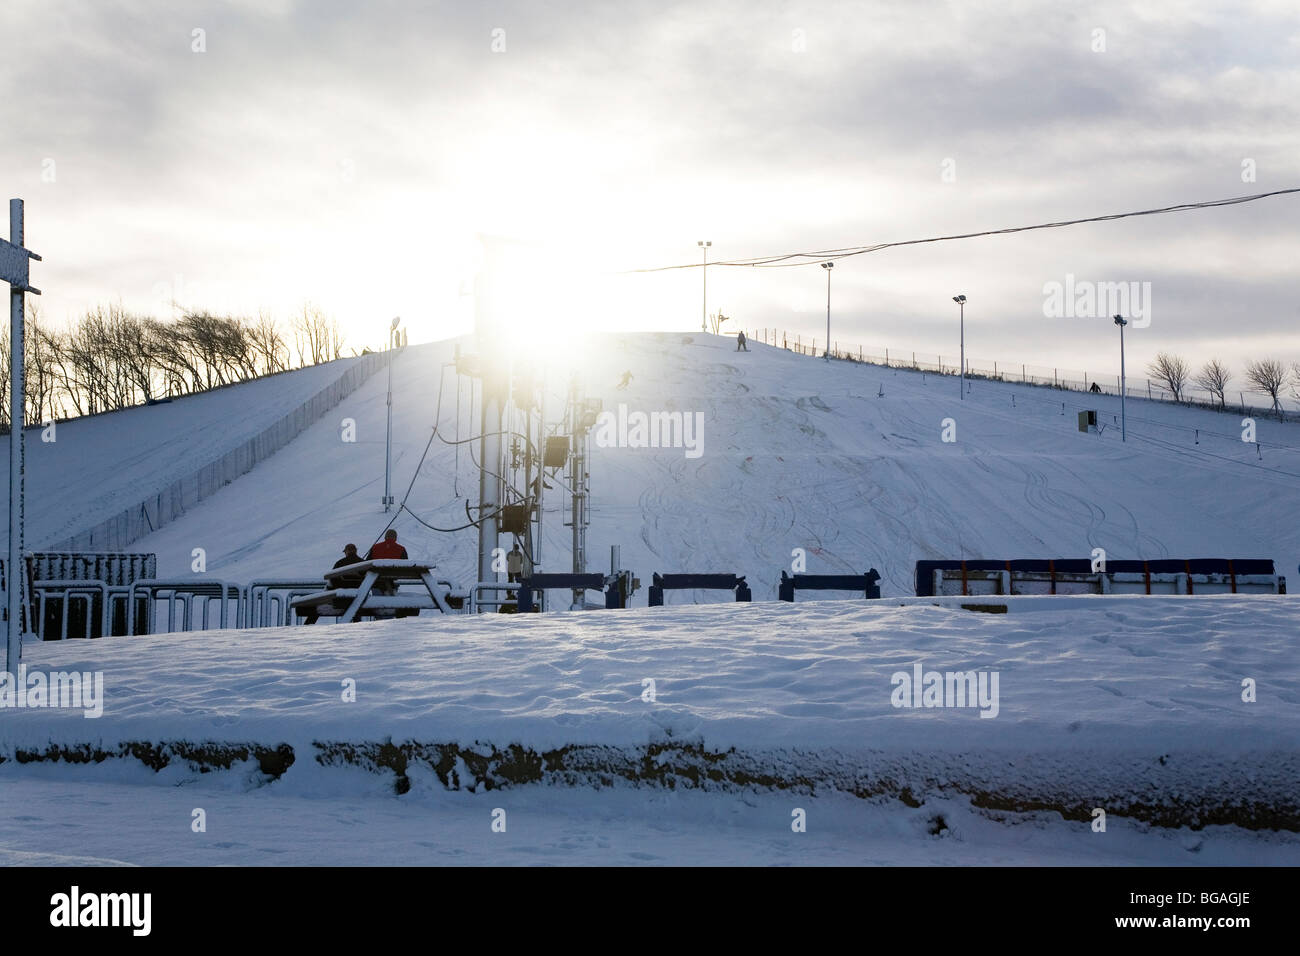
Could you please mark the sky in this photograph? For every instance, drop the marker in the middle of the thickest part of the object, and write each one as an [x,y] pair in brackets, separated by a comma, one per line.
[263,154]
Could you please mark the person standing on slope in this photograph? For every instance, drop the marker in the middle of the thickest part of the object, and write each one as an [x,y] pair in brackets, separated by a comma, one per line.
[740,343]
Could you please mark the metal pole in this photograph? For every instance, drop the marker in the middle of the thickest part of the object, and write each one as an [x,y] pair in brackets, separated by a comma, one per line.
[536,563]
[828,314]
[495,377]
[1123,413]
[1123,391]
[704,299]
[388,440]
[17,403]
[962,307]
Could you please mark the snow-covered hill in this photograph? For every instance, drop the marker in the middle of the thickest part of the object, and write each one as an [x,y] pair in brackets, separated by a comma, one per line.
[85,471]
[795,453]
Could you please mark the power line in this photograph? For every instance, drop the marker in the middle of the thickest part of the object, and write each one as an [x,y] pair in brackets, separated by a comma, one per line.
[810,258]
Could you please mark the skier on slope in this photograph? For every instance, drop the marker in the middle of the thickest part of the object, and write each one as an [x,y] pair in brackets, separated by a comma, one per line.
[740,343]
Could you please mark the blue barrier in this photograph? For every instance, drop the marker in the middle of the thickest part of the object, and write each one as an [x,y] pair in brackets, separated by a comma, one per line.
[689,582]
[613,586]
[1068,568]
[866,583]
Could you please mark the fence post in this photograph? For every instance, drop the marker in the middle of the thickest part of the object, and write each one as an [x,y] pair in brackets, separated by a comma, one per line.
[1148,389]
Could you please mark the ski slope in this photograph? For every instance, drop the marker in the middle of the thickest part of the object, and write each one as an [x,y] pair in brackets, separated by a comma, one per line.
[796,453]
[87,469]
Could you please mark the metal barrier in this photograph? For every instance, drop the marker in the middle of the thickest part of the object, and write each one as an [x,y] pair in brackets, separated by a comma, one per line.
[866,583]
[616,587]
[52,574]
[266,603]
[65,593]
[690,582]
[1081,576]
[186,592]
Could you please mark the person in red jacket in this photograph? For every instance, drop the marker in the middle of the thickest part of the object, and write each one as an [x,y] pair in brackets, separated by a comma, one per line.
[388,548]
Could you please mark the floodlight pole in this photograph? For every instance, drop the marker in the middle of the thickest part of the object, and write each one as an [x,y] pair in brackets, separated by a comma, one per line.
[704,302]
[388,441]
[1123,388]
[828,266]
[961,304]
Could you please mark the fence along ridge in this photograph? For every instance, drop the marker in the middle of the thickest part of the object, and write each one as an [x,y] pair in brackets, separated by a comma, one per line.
[169,503]
[1014,373]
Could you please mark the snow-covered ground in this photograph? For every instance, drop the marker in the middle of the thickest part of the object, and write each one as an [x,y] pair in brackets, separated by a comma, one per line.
[103,815]
[1129,704]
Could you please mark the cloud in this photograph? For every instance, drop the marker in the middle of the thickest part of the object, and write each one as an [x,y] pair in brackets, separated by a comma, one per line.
[347,154]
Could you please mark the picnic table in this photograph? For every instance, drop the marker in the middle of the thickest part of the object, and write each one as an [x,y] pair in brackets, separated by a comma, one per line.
[376,593]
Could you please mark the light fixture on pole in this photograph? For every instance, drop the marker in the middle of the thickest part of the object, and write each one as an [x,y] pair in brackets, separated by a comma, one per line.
[388,441]
[1123,387]
[704,302]
[828,266]
[961,304]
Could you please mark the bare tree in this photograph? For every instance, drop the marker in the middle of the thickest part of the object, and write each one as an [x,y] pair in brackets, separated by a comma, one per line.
[268,344]
[1269,376]
[311,336]
[1170,370]
[40,377]
[1214,378]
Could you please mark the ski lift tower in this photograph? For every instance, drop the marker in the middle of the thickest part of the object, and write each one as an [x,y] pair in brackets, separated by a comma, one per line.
[494,367]
[582,415]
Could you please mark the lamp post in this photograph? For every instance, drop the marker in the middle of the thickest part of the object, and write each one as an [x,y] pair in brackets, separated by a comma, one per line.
[828,266]
[388,441]
[961,304]
[704,301]
[1123,387]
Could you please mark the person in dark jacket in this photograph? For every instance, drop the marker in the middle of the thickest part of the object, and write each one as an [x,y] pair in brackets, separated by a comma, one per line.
[740,343]
[350,556]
